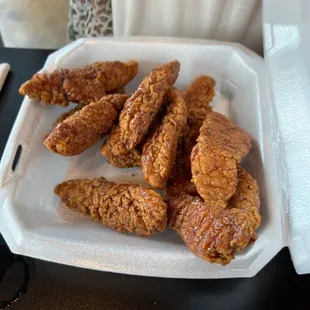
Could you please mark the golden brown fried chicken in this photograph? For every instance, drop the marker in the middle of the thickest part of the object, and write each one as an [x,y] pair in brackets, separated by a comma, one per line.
[81,85]
[47,87]
[85,127]
[214,173]
[246,196]
[212,230]
[123,207]
[114,100]
[159,151]
[142,107]
[198,97]
[128,160]
[106,76]
[221,145]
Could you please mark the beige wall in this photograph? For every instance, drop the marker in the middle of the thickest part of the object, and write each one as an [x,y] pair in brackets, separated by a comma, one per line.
[34,23]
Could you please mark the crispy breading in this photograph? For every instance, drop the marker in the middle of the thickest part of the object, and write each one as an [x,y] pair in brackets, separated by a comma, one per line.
[128,160]
[85,127]
[118,104]
[198,96]
[81,85]
[219,131]
[212,230]
[159,151]
[123,207]
[214,173]
[142,107]
[105,76]
[221,145]
[65,115]
[246,196]
[47,87]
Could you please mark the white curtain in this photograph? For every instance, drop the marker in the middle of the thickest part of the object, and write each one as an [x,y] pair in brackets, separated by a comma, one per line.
[225,20]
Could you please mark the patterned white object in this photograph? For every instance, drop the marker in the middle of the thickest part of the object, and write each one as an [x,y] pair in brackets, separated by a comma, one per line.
[34,23]
[224,20]
[90,18]
[4,70]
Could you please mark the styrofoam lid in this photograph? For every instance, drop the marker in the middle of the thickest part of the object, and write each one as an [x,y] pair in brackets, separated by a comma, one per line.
[287,54]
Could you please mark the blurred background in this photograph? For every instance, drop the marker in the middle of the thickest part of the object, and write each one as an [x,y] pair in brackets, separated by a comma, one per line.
[49,24]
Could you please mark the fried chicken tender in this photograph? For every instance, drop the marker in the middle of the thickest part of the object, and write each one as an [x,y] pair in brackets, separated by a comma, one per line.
[159,151]
[128,160]
[114,100]
[214,173]
[81,85]
[212,230]
[102,77]
[142,107]
[221,145]
[85,127]
[198,97]
[47,87]
[123,207]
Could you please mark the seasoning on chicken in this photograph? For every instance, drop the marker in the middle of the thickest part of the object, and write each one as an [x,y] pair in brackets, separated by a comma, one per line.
[215,230]
[128,160]
[80,85]
[159,151]
[214,159]
[123,207]
[142,107]
[85,127]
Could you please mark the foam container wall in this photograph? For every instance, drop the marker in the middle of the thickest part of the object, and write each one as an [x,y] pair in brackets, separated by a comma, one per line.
[35,223]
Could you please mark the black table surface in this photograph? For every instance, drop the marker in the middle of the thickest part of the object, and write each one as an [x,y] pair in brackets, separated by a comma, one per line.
[27,283]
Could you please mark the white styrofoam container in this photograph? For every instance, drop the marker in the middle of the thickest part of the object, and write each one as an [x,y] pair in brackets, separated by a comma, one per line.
[35,223]
[287,56]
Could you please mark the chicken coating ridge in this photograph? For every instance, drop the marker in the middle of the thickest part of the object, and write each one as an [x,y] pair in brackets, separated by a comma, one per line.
[128,160]
[213,230]
[221,145]
[85,127]
[81,85]
[47,87]
[118,105]
[218,131]
[141,108]
[159,151]
[214,173]
[198,96]
[123,207]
